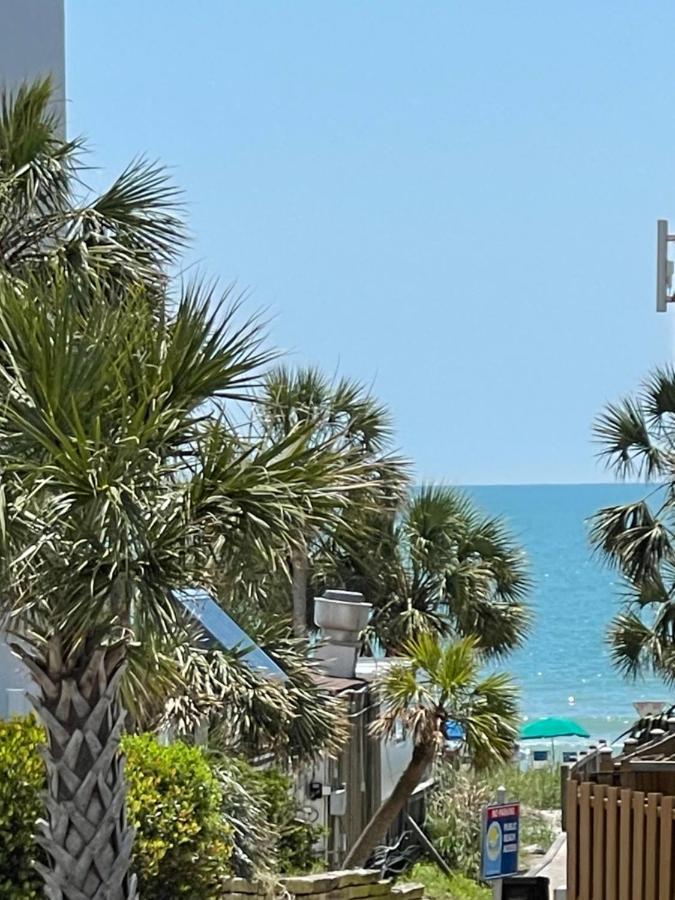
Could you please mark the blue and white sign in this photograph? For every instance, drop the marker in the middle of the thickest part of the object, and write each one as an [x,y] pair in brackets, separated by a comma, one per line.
[501,824]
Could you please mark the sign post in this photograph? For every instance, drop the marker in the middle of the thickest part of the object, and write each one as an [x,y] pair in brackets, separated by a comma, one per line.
[499,842]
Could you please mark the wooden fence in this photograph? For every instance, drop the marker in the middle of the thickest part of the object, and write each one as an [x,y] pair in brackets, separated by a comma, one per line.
[620,843]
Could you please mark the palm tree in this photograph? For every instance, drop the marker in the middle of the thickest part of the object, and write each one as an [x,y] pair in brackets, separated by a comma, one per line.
[128,234]
[637,437]
[183,683]
[122,479]
[120,476]
[344,418]
[445,568]
[437,684]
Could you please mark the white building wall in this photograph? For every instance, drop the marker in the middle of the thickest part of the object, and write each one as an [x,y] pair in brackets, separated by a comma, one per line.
[14,681]
[32,44]
[395,757]
[395,754]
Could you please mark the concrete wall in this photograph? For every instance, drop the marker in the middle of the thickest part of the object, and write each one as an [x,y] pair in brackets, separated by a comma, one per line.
[32,43]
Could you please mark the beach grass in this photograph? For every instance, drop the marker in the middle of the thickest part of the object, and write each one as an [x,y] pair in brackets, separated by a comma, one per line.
[534,788]
[439,886]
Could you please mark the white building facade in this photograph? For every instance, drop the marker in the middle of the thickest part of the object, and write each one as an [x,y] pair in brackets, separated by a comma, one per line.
[32,45]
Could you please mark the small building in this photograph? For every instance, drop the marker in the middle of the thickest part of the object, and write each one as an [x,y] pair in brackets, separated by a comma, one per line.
[341,794]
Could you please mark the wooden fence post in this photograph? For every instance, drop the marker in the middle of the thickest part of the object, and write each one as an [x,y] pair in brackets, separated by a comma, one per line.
[625,845]
[612,842]
[585,842]
[572,807]
[666,866]
[638,845]
[651,846]
[564,779]
[598,841]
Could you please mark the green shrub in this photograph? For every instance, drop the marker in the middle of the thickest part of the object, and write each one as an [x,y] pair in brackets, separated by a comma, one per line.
[197,817]
[21,780]
[294,847]
[254,839]
[535,831]
[454,815]
[454,818]
[183,842]
[293,837]
[535,789]
[439,886]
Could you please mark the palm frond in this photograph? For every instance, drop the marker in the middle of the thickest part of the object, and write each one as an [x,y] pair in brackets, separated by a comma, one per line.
[633,539]
[129,234]
[636,539]
[627,446]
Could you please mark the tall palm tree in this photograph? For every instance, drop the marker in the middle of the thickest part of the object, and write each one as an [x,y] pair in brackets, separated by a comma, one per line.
[119,477]
[437,684]
[131,232]
[342,417]
[442,567]
[637,437]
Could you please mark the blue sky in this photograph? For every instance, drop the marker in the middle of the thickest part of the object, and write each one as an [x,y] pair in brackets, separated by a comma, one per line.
[454,202]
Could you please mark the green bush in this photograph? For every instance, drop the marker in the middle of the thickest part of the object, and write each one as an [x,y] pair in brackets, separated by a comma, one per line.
[183,842]
[21,780]
[293,838]
[254,839]
[535,789]
[439,886]
[454,818]
[294,848]
[198,817]
[535,831]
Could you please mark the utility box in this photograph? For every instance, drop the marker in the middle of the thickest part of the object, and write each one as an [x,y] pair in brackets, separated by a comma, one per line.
[338,801]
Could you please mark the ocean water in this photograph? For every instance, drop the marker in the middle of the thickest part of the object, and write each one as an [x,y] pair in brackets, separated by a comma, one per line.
[565,668]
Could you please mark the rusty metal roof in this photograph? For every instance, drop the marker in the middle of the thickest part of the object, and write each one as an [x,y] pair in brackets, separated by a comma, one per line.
[338,685]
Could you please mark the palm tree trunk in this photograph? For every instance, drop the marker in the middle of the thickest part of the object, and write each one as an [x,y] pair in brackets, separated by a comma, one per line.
[85,833]
[300,578]
[380,823]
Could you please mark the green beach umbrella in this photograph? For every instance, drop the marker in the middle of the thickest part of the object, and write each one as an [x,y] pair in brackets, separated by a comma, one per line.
[552,727]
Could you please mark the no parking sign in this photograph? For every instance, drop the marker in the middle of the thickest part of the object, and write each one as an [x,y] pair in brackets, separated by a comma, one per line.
[499,856]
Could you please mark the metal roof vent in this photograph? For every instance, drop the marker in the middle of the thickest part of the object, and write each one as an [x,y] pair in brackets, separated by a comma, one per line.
[340,616]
